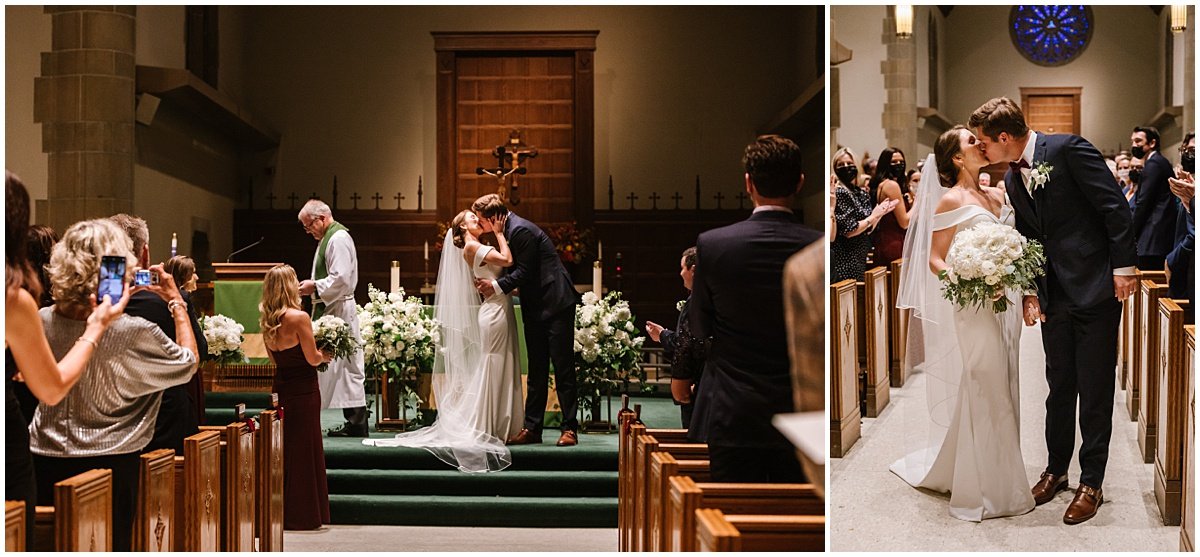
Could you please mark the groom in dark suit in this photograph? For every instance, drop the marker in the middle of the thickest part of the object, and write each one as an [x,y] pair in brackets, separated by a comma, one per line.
[548,309]
[737,303]
[1066,198]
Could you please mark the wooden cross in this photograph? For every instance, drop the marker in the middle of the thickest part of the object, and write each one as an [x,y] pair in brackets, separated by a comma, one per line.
[654,200]
[631,197]
[270,200]
[513,153]
[314,196]
[677,199]
[741,197]
[293,197]
[355,199]
[376,197]
[399,197]
[720,196]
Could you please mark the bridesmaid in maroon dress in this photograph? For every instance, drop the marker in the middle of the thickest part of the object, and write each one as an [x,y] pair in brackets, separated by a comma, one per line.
[890,183]
[287,333]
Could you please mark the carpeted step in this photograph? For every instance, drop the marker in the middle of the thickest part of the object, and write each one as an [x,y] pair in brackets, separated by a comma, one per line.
[440,510]
[452,482]
[590,454]
[214,399]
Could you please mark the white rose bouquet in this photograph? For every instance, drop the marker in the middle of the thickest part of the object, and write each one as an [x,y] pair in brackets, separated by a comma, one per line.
[224,338]
[987,259]
[607,346]
[334,335]
[397,332]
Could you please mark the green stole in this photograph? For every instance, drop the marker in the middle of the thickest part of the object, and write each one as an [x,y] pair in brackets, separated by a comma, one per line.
[322,270]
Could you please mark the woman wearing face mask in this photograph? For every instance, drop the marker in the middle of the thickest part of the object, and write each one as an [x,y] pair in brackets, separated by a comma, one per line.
[890,185]
[855,218]
[1127,187]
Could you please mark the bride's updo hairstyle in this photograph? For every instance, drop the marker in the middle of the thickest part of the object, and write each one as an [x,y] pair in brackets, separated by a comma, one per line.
[945,148]
[457,234]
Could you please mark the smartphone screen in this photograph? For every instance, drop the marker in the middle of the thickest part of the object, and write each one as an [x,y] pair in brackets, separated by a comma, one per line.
[141,278]
[112,278]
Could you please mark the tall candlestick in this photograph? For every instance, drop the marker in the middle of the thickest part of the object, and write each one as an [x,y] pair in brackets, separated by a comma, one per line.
[597,276]
[427,250]
[174,243]
[395,277]
[600,250]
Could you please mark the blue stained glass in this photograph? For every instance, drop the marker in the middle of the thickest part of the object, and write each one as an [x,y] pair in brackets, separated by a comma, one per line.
[1050,35]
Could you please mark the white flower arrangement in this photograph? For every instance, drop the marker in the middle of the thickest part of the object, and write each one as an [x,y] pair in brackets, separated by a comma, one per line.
[224,338]
[335,336]
[397,332]
[1039,175]
[679,305]
[607,346]
[985,260]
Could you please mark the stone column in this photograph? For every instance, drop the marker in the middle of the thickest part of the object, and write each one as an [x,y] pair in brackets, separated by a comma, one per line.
[85,103]
[899,71]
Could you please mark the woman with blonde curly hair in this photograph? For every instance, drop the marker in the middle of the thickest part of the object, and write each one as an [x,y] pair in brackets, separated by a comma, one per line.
[288,335]
[108,418]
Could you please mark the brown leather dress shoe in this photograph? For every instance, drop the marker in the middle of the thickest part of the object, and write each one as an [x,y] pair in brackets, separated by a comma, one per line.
[524,437]
[1047,487]
[568,439]
[1085,504]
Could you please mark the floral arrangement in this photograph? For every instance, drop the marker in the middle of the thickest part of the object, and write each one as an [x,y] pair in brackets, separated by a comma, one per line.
[571,242]
[224,338]
[397,334]
[607,348]
[987,259]
[334,335]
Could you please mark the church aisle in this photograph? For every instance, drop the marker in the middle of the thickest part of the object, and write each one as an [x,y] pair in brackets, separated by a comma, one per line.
[872,509]
[350,539]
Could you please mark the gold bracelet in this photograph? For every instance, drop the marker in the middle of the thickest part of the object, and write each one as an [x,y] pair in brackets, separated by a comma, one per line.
[87,340]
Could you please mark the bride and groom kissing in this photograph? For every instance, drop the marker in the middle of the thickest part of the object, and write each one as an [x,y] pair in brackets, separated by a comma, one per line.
[1059,192]
[477,369]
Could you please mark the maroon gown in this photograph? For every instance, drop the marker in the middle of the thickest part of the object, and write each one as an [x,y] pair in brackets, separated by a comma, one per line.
[889,237]
[305,489]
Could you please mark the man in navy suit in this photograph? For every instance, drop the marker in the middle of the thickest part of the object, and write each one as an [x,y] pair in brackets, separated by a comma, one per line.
[548,310]
[1081,217]
[1155,210]
[737,303]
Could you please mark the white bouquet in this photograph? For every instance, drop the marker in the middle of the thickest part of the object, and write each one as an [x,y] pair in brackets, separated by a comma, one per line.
[987,259]
[224,338]
[607,346]
[397,332]
[335,336]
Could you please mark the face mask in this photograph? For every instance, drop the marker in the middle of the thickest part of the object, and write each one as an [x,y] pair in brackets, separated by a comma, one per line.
[1135,175]
[1138,152]
[898,169]
[1188,161]
[1123,174]
[846,174]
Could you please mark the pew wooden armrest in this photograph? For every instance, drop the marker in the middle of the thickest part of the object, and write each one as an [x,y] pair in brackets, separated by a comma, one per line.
[14,525]
[716,531]
[686,496]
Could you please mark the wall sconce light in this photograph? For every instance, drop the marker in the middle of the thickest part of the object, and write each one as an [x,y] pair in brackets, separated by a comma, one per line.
[904,21]
[1178,18]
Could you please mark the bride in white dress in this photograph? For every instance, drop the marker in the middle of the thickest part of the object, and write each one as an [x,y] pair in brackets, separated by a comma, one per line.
[477,373]
[971,355]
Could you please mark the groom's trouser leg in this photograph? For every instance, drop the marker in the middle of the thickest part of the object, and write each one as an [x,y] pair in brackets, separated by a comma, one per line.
[1058,342]
[1096,360]
[562,353]
[537,378]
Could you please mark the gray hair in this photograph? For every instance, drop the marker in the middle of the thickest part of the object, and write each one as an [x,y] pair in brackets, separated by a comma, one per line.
[136,228]
[315,208]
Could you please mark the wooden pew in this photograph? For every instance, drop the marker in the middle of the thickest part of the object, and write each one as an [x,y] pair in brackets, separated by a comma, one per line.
[154,523]
[1134,328]
[198,493]
[845,418]
[687,496]
[1149,367]
[716,531]
[1172,411]
[631,476]
[1187,533]
[873,317]
[237,486]
[14,525]
[270,481]
[663,466]
[899,326]
[647,445]
[81,518]
[625,419]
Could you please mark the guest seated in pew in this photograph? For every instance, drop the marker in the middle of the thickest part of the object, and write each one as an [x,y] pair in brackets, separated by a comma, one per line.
[1181,262]
[108,418]
[739,271]
[287,333]
[183,270]
[684,351]
[48,375]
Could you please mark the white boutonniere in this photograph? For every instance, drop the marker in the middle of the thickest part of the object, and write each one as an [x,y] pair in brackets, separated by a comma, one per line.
[1039,175]
[679,305]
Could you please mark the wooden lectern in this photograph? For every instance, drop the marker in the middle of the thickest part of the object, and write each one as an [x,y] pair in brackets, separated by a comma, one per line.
[241,377]
[242,271]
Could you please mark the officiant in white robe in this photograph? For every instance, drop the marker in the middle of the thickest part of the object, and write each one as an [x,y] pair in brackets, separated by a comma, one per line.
[334,278]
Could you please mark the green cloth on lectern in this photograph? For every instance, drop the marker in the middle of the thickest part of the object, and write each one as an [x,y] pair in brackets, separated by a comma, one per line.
[238,300]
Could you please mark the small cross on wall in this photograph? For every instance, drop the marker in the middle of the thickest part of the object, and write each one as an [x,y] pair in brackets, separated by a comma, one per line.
[270,200]
[377,198]
[355,199]
[631,197]
[654,200]
[398,197]
[677,199]
[293,197]
[719,197]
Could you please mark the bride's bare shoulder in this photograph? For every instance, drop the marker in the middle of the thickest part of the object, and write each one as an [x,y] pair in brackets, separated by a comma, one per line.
[952,200]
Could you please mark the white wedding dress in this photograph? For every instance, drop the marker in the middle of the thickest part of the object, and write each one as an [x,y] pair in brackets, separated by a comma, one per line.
[477,371]
[971,362]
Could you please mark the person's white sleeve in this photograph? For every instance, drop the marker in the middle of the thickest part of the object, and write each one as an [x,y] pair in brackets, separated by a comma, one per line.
[340,260]
[1125,271]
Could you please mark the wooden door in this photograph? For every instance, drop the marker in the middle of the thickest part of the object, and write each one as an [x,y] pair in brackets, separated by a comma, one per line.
[1052,109]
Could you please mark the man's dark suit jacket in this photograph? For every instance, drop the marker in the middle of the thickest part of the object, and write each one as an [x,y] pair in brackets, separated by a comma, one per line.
[1155,210]
[546,288]
[738,301]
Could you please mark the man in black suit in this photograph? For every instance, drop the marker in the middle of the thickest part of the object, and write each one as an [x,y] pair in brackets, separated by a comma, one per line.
[737,303]
[1079,214]
[1155,210]
[177,411]
[548,309]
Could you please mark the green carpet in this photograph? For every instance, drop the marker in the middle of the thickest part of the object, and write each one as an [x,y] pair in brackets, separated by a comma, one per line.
[546,486]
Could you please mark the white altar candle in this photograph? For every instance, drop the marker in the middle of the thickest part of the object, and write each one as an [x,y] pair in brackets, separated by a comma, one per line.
[596,278]
[395,285]
[426,250]
[174,244]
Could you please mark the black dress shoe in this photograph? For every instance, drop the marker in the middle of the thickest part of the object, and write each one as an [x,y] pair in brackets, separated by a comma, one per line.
[349,430]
